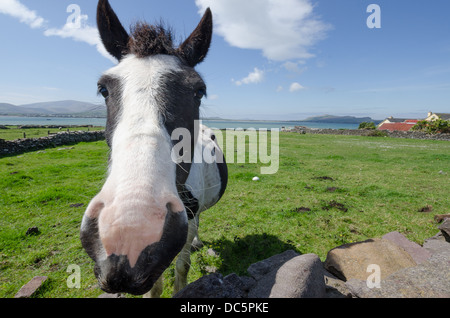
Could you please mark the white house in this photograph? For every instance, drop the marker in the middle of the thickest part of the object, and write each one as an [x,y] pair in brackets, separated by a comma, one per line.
[434,116]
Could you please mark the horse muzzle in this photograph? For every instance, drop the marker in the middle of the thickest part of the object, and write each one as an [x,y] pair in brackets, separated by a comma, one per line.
[121,273]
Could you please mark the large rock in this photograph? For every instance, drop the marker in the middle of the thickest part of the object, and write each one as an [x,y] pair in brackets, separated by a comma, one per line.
[406,270]
[352,260]
[445,229]
[441,217]
[436,244]
[335,287]
[214,286]
[259,269]
[287,275]
[106,296]
[430,279]
[298,277]
[418,253]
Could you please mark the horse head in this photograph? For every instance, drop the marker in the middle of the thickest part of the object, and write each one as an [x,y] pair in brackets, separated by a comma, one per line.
[137,224]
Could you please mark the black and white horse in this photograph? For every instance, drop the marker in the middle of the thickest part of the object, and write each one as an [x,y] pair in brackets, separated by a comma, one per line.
[147,211]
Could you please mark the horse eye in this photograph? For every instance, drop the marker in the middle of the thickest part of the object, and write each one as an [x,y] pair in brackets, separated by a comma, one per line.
[103,90]
[200,93]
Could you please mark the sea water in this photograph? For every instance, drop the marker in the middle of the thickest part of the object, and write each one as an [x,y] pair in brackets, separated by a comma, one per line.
[219,124]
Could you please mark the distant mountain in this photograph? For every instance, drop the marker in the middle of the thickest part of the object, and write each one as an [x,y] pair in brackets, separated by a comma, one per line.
[66,108]
[340,119]
[213,118]
[9,109]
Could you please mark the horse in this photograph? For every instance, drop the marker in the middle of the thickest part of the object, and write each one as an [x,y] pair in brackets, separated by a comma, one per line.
[147,211]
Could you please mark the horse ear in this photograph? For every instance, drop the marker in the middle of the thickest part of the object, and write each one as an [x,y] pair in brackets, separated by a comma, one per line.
[196,46]
[113,35]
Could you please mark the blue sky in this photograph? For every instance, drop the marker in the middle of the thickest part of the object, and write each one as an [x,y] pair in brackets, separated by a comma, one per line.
[270,59]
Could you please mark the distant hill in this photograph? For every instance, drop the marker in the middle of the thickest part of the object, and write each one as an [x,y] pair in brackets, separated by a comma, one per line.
[66,108]
[340,119]
[9,109]
[213,118]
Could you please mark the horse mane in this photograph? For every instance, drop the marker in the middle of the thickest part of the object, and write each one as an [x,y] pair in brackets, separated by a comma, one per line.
[147,40]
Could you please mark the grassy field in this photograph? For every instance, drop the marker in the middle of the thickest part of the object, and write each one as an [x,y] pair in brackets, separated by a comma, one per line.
[329,190]
[13,132]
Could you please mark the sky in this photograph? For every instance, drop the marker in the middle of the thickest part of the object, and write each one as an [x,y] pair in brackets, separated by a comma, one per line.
[269,59]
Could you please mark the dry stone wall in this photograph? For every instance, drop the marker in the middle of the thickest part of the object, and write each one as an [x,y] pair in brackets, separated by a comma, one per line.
[407,270]
[15,147]
[374,133]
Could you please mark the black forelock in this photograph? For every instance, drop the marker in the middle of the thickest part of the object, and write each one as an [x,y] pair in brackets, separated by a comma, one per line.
[147,40]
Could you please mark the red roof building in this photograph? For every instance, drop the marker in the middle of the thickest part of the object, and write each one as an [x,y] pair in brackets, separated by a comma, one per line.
[405,126]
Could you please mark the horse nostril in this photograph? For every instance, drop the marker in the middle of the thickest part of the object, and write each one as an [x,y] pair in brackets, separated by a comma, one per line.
[94,208]
[175,206]
[89,237]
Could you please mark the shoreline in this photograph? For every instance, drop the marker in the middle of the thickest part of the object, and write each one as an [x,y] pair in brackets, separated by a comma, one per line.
[212,123]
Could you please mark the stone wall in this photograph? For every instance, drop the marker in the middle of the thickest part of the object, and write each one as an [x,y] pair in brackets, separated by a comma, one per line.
[417,135]
[403,269]
[375,133]
[15,147]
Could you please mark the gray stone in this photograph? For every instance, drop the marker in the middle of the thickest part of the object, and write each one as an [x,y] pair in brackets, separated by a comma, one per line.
[335,287]
[436,244]
[111,296]
[358,288]
[242,283]
[441,217]
[445,229]
[298,277]
[259,269]
[407,271]
[352,260]
[210,286]
[430,279]
[417,252]
[31,287]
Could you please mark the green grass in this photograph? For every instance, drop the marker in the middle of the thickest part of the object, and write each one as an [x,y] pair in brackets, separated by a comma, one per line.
[374,186]
[13,132]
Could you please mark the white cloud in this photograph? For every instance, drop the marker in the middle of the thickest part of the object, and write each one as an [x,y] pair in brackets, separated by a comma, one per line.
[17,10]
[295,87]
[283,30]
[254,77]
[295,67]
[78,30]
[82,32]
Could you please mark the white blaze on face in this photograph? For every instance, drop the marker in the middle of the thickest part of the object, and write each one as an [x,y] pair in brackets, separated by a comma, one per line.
[140,188]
